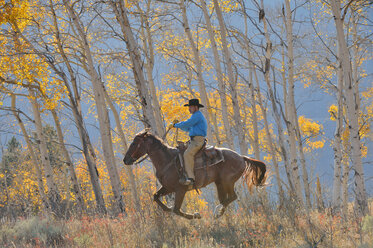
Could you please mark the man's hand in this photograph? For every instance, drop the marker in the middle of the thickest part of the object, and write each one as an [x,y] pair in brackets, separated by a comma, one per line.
[173,124]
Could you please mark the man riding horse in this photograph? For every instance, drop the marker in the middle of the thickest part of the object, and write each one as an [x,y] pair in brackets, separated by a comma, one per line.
[223,172]
[196,125]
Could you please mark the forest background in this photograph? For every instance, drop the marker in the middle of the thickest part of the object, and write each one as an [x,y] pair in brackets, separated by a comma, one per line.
[289,83]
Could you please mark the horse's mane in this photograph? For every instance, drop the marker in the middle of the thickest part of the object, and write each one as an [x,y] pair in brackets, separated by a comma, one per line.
[158,142]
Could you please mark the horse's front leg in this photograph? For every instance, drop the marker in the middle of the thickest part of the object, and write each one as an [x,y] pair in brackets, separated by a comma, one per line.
[179,198]
[162,192]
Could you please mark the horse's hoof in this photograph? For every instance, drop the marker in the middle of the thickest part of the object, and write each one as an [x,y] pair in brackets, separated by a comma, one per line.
[219,211]
[196,216]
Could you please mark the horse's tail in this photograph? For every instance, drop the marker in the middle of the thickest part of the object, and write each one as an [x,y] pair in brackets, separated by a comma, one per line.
[255,173]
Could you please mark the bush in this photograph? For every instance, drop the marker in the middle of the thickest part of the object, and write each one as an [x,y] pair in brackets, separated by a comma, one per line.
[34,231]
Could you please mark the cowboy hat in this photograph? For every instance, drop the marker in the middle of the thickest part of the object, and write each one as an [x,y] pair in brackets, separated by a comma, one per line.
[194,102]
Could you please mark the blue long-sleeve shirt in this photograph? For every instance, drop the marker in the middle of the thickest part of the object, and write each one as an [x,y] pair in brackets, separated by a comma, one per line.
[196,125]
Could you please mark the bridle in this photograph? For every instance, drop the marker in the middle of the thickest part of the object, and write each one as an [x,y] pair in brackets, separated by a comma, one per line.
[139,144]
[137,148]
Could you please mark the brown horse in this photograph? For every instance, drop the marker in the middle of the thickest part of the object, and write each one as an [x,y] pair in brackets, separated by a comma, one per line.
[224,174]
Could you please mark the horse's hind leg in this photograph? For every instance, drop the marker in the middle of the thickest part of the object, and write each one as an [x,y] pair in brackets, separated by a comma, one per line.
[179,198]
[232,196]
[222,195]
[226,195]
[162,192]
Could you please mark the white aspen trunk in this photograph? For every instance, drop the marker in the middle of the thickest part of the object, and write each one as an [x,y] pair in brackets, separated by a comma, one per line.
[149,65]
[266,71]
[39,174]
[70,166]
[219,75]
[232,80]
[198,65]
[345,175]
[355,61]
[89,153]
[52,193]
[5,182]
[103,116]
[337,143]
[284,89]
[88,150]
[292,118]
[129,171]
[361,204]
[271,145]
[133,50]
[254,116]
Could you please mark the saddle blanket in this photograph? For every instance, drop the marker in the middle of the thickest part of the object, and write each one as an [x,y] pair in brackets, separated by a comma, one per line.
[207,156]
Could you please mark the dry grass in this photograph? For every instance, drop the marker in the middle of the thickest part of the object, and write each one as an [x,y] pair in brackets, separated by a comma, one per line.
[250,225]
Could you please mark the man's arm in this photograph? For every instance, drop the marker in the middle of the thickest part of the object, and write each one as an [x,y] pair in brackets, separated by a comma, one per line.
[186,125]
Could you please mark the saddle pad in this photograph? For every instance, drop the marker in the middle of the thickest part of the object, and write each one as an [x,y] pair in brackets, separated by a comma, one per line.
[208,157]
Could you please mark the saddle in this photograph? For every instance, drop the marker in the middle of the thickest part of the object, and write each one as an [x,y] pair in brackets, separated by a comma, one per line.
[205,157]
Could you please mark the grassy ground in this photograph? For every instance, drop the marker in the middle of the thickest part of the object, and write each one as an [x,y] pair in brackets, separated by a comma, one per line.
[247,226]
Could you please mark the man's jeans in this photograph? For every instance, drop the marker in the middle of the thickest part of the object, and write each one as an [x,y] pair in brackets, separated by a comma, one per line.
[195,145]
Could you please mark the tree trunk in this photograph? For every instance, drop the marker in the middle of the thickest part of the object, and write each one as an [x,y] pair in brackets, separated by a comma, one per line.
[272,149]
[73,178]
[39,174]
[337,144]
[130,174]
[275,110]
[291,109]
[198,65]
[232,80]
[88,150]
[53,194]
[133,50]
[345,176]
[220,77]
[149,54]
[361,204]
[254,116]
[102,113]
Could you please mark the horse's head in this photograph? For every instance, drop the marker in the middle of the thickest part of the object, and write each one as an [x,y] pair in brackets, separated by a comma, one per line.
[138,148]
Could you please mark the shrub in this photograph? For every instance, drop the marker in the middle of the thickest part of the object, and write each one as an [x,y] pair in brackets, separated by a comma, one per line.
[34,231]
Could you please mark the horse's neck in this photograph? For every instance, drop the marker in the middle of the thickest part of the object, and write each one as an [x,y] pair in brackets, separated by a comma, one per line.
[161,157]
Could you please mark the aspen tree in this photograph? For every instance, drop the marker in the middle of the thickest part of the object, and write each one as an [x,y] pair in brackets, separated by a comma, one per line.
[121,16]
[39,174]
[52,192]
[220,77]
[103,116]
[337,142]
[68,162]
[232,81]
[198,65]
[291,109]
[148,48]
[361,204]
[129,171]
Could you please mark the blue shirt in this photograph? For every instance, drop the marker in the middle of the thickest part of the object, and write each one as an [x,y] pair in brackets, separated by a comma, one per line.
[196,125]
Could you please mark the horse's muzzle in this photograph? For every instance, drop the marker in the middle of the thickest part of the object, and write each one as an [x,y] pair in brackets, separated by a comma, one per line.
[128,161]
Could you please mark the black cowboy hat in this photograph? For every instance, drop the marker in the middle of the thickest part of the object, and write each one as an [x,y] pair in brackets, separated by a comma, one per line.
[194,102]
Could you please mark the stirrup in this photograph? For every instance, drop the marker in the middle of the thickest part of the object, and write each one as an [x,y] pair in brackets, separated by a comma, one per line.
[186,181]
